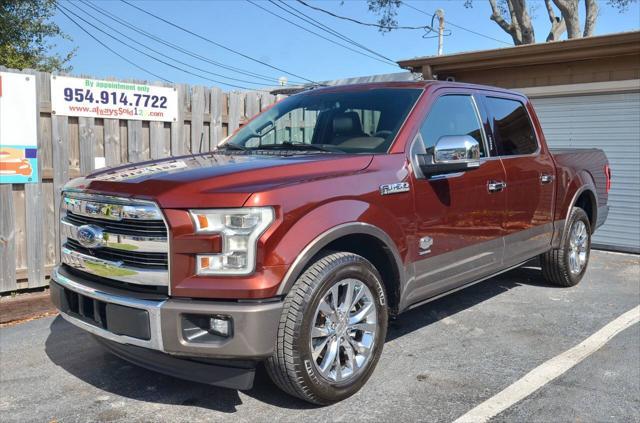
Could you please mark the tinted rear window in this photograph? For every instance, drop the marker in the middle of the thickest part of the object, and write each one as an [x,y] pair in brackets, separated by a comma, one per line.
[512,126]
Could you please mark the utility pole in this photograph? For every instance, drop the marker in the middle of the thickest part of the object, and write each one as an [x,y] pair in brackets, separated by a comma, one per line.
[440,15]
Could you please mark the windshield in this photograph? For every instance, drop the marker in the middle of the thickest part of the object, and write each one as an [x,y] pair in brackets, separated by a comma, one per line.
[365,121]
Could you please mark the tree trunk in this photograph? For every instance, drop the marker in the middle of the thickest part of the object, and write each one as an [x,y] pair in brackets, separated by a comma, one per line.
[569,11]
[524,21]
[591,7]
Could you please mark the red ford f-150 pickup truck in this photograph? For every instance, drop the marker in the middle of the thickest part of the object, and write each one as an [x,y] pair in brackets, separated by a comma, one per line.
[295,240]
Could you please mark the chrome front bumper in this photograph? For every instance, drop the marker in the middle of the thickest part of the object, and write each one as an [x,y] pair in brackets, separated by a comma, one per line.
[254,332]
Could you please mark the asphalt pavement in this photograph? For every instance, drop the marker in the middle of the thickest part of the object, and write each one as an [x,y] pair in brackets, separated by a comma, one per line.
[440,361]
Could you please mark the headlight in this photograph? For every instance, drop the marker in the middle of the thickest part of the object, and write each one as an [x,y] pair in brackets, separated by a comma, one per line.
[240,230]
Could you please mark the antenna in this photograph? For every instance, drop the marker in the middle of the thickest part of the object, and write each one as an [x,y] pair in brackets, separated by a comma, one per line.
[201,137]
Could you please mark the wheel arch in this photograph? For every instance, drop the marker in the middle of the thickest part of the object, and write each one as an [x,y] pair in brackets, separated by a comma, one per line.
[359,238]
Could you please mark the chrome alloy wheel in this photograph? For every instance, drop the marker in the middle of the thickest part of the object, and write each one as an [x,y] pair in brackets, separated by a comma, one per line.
[578,245]
[344,330]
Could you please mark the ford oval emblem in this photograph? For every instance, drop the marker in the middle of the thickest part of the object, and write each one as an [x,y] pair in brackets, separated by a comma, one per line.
[90,236]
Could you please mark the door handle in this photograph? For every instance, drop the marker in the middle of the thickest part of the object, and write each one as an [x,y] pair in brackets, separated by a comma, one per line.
[546,179]
[496,186]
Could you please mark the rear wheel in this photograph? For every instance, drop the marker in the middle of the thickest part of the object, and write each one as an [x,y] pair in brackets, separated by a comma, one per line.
[332,330]
[565,266]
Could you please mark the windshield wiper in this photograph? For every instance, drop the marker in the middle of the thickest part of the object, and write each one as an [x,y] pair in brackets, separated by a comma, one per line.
[288,145]
[230,146]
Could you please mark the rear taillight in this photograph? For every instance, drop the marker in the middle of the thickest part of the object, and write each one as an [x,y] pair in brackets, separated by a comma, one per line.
[607,173]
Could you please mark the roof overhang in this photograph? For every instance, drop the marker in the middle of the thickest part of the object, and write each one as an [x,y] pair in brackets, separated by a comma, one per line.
[625,43]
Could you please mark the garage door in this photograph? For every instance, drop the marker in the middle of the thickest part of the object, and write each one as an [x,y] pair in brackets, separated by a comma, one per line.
[610,122]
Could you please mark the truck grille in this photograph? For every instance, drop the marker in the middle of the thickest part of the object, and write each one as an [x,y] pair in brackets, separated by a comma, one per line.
[116,239]
[154,228]
[129,258]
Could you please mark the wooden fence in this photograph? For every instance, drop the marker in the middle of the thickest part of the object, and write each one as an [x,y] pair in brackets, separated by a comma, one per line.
[67,148]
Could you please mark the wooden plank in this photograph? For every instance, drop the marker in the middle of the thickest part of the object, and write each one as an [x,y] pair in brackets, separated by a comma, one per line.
[35,210]
[177,127]
[112,142]
[236,110]
[252,104]
[197,120]
[87,144]
[99,131]
[159,142]
[135,141]
[267,101]
[217,106]
[34,206]
[124,142]
[20,226]
[74,142]
[43,93]
[60,137]
[50,226]
[7,240]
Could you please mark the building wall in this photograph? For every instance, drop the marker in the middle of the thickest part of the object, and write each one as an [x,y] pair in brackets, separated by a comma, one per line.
[594,70]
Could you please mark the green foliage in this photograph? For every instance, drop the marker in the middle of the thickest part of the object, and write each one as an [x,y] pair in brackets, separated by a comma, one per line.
[387,10]
[25,32]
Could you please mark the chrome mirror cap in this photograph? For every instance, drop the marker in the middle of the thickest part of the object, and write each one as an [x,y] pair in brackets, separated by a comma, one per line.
[456,148]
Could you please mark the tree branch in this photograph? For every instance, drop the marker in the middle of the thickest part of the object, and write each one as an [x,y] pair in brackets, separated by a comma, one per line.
[496,16]
[558,26]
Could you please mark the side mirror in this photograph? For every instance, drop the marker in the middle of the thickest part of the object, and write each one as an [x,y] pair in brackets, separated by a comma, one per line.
[451,154]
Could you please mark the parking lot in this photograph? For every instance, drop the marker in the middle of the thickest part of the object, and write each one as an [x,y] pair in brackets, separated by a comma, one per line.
[440,361]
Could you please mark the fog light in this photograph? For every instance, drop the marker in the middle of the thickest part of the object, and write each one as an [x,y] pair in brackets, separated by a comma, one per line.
[206,328]
[220,326]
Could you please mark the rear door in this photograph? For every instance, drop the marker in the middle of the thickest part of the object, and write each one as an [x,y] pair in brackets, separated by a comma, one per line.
[459,221]
[530,175]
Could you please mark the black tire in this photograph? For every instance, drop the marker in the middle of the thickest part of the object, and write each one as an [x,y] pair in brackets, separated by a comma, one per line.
[291,366]
[556,267]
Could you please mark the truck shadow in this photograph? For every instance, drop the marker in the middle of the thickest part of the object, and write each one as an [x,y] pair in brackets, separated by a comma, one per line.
[76,352]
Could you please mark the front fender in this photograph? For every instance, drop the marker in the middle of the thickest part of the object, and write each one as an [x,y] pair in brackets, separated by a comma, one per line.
[331,221]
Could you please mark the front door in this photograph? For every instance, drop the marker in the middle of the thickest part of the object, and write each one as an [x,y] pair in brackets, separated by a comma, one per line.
[530,173]
[459,220]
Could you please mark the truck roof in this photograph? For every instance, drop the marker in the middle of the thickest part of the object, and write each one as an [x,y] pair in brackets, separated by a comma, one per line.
[410,84]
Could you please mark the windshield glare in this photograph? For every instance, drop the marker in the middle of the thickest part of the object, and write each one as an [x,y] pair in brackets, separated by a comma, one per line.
[364,121]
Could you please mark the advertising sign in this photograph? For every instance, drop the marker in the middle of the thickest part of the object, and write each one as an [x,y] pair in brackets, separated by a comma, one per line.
[112,99]
[18,129]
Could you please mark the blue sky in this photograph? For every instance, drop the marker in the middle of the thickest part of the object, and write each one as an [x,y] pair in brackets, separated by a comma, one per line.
[246,28]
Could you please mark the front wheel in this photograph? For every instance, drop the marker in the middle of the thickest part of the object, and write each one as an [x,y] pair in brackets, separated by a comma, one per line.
[565,266]
[332,330]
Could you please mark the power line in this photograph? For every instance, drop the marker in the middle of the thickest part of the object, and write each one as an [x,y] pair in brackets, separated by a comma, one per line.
[319,35]
[151,56]
[166,56]
[191,53]
[215,43]
[310,20]
[387,27]
[454,25]
[111,50]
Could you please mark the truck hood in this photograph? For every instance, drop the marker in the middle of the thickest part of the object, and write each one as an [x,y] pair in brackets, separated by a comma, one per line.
[214,180]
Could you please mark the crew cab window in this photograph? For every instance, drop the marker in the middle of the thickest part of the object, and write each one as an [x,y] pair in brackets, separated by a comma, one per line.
[451,115]
[340,121]
[512,127]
